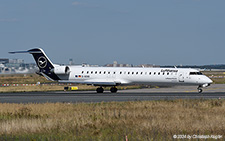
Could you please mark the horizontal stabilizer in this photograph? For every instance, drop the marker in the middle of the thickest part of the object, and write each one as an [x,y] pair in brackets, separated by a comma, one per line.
[29,51]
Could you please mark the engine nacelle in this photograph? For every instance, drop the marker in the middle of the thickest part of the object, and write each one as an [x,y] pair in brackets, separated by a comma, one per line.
[61,70]
[205,85]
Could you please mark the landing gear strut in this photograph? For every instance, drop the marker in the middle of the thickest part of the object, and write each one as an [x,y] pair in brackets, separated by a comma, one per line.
[199,89]
[100,90]
[113,89]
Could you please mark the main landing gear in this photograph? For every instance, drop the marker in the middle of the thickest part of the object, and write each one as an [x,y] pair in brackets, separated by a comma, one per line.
[113,89]
[101,90]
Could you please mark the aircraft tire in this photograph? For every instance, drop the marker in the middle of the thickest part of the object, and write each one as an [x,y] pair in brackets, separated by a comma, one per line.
[113,90]
[199,90]
[100,90]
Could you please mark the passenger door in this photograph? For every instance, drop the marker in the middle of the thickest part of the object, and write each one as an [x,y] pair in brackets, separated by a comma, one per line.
[181,77]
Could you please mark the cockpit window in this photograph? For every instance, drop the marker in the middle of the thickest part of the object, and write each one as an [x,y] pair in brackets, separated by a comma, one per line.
[195,73]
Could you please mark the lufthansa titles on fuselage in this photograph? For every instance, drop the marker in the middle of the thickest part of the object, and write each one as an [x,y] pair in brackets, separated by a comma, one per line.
[168,70]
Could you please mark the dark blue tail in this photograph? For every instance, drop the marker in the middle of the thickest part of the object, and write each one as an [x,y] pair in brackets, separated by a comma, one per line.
[43,62]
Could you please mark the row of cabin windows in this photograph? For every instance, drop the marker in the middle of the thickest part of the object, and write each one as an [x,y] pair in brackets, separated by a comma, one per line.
[104,72]
[97,72]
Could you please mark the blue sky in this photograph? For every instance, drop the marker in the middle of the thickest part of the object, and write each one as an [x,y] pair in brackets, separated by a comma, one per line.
[163,32]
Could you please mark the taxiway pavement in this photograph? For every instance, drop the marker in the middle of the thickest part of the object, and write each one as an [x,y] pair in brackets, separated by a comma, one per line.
[182,92]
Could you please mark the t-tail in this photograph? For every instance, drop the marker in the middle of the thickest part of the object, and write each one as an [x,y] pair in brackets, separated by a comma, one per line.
[46,67]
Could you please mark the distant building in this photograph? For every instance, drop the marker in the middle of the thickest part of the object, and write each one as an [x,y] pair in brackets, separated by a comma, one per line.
[88,65]
[4,61]
[8,66]
[109,65]
[148,66]
[115,64]
[16,61]
[2,65]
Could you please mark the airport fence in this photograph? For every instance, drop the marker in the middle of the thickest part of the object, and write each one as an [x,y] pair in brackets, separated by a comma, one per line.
[216,76]
[44,84]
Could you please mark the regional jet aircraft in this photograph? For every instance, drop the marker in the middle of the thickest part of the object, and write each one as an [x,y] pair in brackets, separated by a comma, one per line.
[116,76]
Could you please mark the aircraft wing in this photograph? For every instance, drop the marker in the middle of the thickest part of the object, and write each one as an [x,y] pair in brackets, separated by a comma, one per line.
[94,83]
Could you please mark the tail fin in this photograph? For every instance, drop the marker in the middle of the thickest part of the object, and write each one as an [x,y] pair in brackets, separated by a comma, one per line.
[43,62]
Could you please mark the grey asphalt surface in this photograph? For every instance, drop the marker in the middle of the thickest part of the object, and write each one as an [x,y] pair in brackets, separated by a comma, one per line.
[182,92]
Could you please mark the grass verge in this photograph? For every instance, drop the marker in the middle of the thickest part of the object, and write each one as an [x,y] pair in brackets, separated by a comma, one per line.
[140,120]
[42,88]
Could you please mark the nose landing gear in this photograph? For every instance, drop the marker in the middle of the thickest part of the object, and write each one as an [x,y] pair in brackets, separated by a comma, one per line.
[199,89]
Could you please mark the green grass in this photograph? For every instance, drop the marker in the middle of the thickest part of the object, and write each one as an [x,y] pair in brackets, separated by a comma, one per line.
[22,79]
[141,120]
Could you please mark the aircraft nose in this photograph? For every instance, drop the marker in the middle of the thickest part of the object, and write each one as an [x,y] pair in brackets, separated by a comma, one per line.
[206,80]
[210,81]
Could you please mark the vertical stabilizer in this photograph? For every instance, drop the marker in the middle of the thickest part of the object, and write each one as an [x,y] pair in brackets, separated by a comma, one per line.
[43,62]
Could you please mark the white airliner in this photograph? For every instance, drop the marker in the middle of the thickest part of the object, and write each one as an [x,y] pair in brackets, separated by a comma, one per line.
[116,76]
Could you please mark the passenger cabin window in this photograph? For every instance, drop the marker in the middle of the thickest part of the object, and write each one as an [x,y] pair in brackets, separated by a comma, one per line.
[96,72]
[149,73]
[136,72]
[104,72]
[114,72]
[196,73]
[121,72]
[82,72]
[100,72]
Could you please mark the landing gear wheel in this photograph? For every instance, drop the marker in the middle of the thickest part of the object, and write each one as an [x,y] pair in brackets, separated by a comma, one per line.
[100,90]
[113,90]
[199,90]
